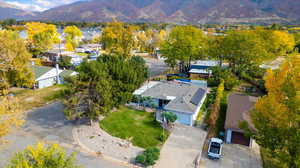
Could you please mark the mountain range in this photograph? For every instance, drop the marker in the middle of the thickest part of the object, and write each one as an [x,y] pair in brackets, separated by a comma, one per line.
[174,11]
[10,11]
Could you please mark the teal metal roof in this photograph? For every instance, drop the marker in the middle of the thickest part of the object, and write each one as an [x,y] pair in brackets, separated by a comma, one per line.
[66,73]
[40,70]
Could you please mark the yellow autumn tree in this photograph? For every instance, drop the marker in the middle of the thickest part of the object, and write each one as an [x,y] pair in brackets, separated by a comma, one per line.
[276,116]
[43,156]
[283,42]
[10,115]
[142,41]
[159,38]
[73,36]
[14,70]
[41,37]
[14,61]
[118,38]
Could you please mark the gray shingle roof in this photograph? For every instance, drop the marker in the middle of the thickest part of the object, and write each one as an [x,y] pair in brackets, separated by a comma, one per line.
[185,97]
[239,107]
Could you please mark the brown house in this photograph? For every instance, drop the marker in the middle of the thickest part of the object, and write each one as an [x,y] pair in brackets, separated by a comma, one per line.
[238,110]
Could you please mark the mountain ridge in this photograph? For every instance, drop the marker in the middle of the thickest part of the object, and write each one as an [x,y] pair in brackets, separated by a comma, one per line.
[176,11]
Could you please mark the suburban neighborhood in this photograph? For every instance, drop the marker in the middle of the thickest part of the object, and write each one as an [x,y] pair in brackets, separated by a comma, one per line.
[127,94]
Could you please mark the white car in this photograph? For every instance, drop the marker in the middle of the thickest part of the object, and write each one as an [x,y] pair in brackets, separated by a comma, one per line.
[215,148]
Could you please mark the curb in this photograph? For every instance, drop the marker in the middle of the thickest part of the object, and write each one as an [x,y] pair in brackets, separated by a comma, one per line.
[84,147]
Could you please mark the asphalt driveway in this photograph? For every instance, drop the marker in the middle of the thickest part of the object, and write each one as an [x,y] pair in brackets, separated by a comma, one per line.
[48,124]
[234,156]
[182,148]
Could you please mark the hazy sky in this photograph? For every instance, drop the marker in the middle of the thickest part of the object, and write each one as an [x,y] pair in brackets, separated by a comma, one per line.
[38,5]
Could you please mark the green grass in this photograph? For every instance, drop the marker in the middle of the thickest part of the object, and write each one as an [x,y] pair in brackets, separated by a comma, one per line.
[137,126]
[29,98]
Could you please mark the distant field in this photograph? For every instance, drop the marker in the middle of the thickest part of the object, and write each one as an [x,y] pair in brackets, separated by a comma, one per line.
[139,126]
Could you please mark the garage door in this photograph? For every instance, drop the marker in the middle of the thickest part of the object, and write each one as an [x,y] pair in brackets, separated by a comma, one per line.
[240,138]
[183,118]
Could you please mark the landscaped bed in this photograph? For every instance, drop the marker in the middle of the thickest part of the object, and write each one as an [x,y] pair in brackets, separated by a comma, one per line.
[137,126]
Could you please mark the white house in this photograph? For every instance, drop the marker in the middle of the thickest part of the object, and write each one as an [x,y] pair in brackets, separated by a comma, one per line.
[76,59]
[48,76]
[181,98]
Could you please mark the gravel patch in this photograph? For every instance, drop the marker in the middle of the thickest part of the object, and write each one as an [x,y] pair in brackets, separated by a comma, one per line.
[100,142]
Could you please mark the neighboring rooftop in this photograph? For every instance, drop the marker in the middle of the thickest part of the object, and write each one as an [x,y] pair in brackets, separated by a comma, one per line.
[184,97]
[66,73]
[275,64]
[207,63]
[40,70]
[200,71]
[238,110]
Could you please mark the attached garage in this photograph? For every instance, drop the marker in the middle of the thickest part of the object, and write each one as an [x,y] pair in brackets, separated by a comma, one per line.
[184,118]
[238,110]
[240,138]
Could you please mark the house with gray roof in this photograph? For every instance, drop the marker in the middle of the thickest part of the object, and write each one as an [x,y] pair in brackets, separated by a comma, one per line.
[48,76]
[181,98]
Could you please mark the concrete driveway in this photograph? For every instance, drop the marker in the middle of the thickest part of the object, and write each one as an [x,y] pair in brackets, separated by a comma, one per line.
[182,148]
[234,156]
[48,124]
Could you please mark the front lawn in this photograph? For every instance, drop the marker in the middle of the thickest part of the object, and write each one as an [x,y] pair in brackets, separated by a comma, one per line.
[137,126]
[29,98]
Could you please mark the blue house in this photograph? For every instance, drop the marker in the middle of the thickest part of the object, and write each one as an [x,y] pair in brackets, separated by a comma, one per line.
[181,98]
[201,68]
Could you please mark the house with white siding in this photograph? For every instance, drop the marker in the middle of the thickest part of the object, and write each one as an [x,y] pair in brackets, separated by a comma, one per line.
[49,76]
[181,98]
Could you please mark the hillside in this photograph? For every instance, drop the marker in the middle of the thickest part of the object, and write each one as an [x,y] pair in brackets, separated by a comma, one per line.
[177,11]
[10,11]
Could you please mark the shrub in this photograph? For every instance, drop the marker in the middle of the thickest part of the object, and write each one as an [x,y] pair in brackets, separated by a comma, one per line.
[148,157]
[219,74]
[141,159]
[169,116]
[163,137]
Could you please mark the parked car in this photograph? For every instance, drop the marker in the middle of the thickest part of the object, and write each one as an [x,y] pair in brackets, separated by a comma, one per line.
[215,148]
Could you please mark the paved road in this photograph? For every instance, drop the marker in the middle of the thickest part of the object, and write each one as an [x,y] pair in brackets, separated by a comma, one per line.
[182,147]
[156,67]
[49,124]
[234,156]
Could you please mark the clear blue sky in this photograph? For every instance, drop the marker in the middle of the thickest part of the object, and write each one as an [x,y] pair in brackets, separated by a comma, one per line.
[38,5]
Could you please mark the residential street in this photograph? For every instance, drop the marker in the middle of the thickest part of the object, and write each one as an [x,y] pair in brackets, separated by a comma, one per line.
[182,147]
[49,125]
